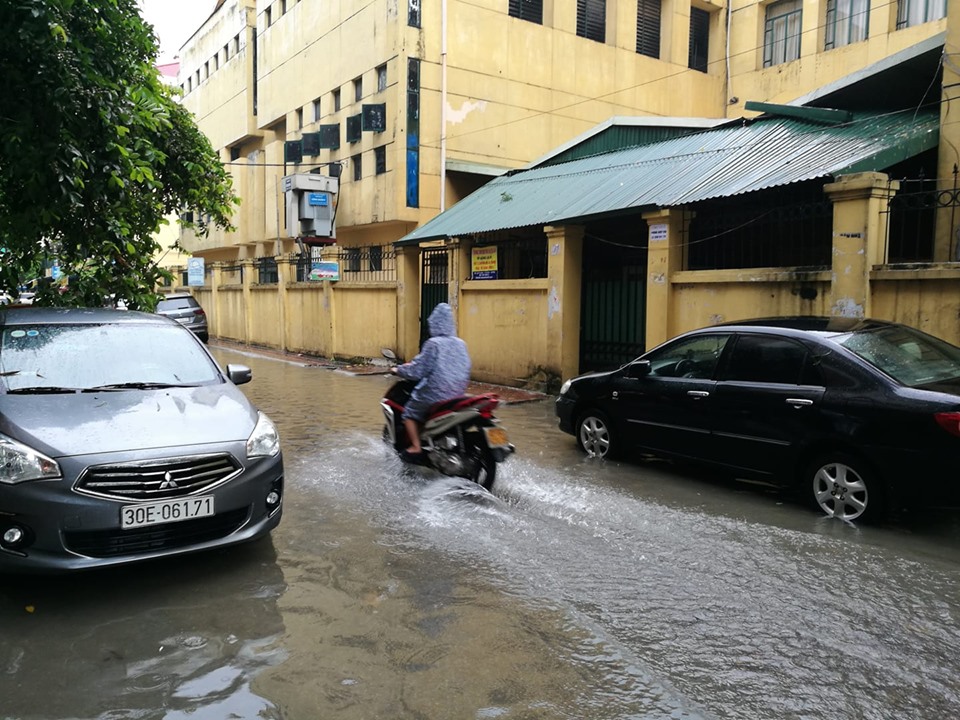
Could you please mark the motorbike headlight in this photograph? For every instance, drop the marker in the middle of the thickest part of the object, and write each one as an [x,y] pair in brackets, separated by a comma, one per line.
[264,440]
[19,463]
[565,387]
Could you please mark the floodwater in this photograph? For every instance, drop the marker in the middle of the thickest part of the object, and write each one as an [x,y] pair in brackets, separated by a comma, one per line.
[577,589]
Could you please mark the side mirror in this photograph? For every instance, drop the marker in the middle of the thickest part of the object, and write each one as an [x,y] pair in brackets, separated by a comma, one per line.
[639,369]
[239,374]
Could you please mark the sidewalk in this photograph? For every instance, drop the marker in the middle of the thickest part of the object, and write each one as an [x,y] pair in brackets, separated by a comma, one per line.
[508,395]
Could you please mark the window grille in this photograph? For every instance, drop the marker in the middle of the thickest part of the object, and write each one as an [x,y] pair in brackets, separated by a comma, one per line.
[699,39]
[592,19]
[781,32]
[380,159]
[917,12]
[518,258]
[529,10]
[648,28]
[368,263]
[848,21]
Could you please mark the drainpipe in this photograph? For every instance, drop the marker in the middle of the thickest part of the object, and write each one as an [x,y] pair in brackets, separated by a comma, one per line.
[443,105]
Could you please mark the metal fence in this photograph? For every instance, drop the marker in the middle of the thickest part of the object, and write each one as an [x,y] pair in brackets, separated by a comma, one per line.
[368,263]
[912,219]
[266,268]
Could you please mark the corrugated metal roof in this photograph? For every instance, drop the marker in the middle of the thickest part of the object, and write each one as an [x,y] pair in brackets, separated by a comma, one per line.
[742,157]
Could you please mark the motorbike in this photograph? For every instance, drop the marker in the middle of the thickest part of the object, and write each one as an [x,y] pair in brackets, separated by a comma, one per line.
[460,437]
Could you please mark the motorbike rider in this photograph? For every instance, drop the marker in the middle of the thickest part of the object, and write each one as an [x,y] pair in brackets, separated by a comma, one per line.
[442,369]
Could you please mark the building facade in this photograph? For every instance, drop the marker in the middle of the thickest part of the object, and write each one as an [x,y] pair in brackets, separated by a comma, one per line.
[412,107]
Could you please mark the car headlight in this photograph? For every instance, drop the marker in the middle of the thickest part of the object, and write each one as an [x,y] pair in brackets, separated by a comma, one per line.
[19,463]
[264,440]
[565,387]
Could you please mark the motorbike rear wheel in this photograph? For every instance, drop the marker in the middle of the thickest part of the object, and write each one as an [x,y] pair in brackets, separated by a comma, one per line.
[483,467]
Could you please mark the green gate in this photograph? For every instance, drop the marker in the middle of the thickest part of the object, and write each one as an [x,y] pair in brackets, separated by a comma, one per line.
[435,274]
[613,306]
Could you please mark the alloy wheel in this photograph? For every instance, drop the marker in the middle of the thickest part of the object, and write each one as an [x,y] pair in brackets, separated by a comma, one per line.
[840,490]
[594,436]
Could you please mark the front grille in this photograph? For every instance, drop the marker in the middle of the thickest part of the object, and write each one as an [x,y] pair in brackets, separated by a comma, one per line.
[114,543]
[157,479]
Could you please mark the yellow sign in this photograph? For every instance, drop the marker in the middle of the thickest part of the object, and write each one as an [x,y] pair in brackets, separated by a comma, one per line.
[483,263]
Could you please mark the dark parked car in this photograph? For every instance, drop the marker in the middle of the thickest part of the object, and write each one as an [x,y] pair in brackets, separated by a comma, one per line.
[121,439]
[184,308]
[860,415]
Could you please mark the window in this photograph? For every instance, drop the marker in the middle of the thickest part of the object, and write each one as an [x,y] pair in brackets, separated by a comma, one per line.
[699,39]
[336,99]
[358,89]
[381,78]
[413,13]
[529,10]
[234,152]
[380,159]
[376,257]
[847,22]
[226,52]
[316,110]
[236,44]
[592,19]
[694,357]
[352,259]
[356,161]
[283,7]
[781,32]
[766,359]
[648,28]
[299,118]
[206,70]
[916,12]
[354,128]
[268,17]
[216,62]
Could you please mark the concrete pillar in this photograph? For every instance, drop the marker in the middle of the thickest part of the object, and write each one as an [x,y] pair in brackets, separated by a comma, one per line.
[246,272]
[947,241]
[564,264]
[408,301]
[216,279]
[664,258]
[286,274]
[859,238]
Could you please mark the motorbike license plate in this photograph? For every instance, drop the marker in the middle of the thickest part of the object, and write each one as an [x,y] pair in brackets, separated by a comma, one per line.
[496,437]
[165,511]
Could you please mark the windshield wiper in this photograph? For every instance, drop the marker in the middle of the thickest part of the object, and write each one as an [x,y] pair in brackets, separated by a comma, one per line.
[130,386]
[42,390]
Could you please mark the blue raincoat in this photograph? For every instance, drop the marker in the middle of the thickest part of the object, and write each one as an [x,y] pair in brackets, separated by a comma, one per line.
[442,367]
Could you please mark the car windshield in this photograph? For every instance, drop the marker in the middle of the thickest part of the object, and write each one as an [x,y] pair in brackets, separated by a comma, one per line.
[176,304]
[83,357]
[909,356]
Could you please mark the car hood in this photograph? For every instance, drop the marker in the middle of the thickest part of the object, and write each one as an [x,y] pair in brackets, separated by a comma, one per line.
[103,422]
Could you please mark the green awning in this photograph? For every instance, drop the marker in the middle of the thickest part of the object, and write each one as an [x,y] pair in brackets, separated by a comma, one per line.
[741,157]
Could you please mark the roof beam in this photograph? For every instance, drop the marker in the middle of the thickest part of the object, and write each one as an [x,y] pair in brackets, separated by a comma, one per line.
[820,115]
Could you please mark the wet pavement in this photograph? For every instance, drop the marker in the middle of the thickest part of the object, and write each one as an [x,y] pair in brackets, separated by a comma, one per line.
[577,589]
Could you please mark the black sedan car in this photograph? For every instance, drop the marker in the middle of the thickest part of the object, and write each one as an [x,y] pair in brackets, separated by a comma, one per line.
[122,440]
[860,415]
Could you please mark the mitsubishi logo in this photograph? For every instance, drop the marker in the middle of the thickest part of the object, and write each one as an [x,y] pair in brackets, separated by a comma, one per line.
[168,482]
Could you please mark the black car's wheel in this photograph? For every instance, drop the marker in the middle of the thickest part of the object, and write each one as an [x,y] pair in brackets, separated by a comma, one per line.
[594,434]
[845,487]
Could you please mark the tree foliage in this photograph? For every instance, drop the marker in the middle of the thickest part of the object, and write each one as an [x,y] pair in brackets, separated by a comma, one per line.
[95,152]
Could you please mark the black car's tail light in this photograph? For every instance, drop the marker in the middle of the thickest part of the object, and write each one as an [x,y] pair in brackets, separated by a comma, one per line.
[949,421]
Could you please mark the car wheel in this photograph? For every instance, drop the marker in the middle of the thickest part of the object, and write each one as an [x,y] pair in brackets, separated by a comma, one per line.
[204,337]
[594,434]
[845,487]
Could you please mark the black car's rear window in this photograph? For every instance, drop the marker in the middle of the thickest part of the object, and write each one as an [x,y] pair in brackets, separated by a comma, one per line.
[86,356]
[910,356]
[177,304]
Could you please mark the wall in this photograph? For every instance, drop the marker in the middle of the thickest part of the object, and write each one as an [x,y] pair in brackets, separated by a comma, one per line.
[928,299]
[504,323]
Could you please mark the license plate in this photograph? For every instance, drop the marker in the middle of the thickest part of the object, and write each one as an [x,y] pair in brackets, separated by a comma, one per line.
[183,320]
[496,437]
[165,511]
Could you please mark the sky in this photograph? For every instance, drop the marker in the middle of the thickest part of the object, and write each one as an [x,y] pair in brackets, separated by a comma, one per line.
[174,21]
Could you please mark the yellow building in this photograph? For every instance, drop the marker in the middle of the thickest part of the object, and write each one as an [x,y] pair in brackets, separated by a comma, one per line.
[411,107]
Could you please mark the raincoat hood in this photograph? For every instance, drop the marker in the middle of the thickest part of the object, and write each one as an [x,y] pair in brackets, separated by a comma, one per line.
[441,321]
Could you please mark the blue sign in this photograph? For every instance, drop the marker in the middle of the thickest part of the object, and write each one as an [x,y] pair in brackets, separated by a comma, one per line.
[319,199]
[55,272]
[195,271]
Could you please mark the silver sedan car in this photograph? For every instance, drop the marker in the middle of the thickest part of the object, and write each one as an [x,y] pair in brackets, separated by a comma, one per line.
[122,440]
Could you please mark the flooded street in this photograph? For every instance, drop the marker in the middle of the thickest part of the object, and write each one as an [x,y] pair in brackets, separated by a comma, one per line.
[577,589]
